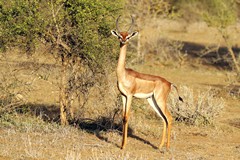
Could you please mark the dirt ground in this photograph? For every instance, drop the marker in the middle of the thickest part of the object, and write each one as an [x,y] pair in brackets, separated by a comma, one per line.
[35,139]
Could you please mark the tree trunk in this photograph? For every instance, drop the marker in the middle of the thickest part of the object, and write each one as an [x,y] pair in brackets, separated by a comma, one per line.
[63,98]
[229,47]
[234,59]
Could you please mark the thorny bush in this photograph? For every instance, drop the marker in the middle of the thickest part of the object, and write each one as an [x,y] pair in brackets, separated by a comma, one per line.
[197,109]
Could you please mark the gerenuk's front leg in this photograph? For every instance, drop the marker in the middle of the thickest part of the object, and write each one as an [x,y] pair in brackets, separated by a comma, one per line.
[126,108]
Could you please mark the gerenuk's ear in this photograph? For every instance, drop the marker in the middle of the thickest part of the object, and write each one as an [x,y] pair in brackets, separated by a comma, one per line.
[133,34]
[115,33]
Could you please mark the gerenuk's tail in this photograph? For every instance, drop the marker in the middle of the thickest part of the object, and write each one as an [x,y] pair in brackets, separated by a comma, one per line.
[180,98]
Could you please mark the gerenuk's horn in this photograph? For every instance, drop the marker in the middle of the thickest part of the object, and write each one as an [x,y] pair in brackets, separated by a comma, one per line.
[130,28]
[117,24]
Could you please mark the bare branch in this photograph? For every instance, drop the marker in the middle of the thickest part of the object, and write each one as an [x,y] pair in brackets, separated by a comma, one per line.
[58,40]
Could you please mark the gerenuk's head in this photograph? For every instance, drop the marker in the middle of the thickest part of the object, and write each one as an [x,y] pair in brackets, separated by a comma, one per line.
[125,36]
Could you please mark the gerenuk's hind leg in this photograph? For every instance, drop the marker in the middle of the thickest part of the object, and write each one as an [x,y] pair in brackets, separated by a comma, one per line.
[169,118]
[161,112]
[167,123]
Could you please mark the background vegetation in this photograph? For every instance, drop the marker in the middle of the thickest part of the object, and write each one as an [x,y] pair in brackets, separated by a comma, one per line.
[76,32]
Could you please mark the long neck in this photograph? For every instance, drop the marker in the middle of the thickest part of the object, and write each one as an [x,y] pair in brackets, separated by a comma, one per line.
[121,60]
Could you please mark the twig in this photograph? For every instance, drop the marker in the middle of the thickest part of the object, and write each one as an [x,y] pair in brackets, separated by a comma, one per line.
[93,145]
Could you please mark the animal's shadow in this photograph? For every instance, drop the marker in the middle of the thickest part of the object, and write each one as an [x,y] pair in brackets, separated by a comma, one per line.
[106,124]
[50,114]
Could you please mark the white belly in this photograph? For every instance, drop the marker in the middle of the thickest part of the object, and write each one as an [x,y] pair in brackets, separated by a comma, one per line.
[143,95]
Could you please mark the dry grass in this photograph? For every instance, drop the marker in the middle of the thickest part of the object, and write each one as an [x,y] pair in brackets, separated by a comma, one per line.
[30,137]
